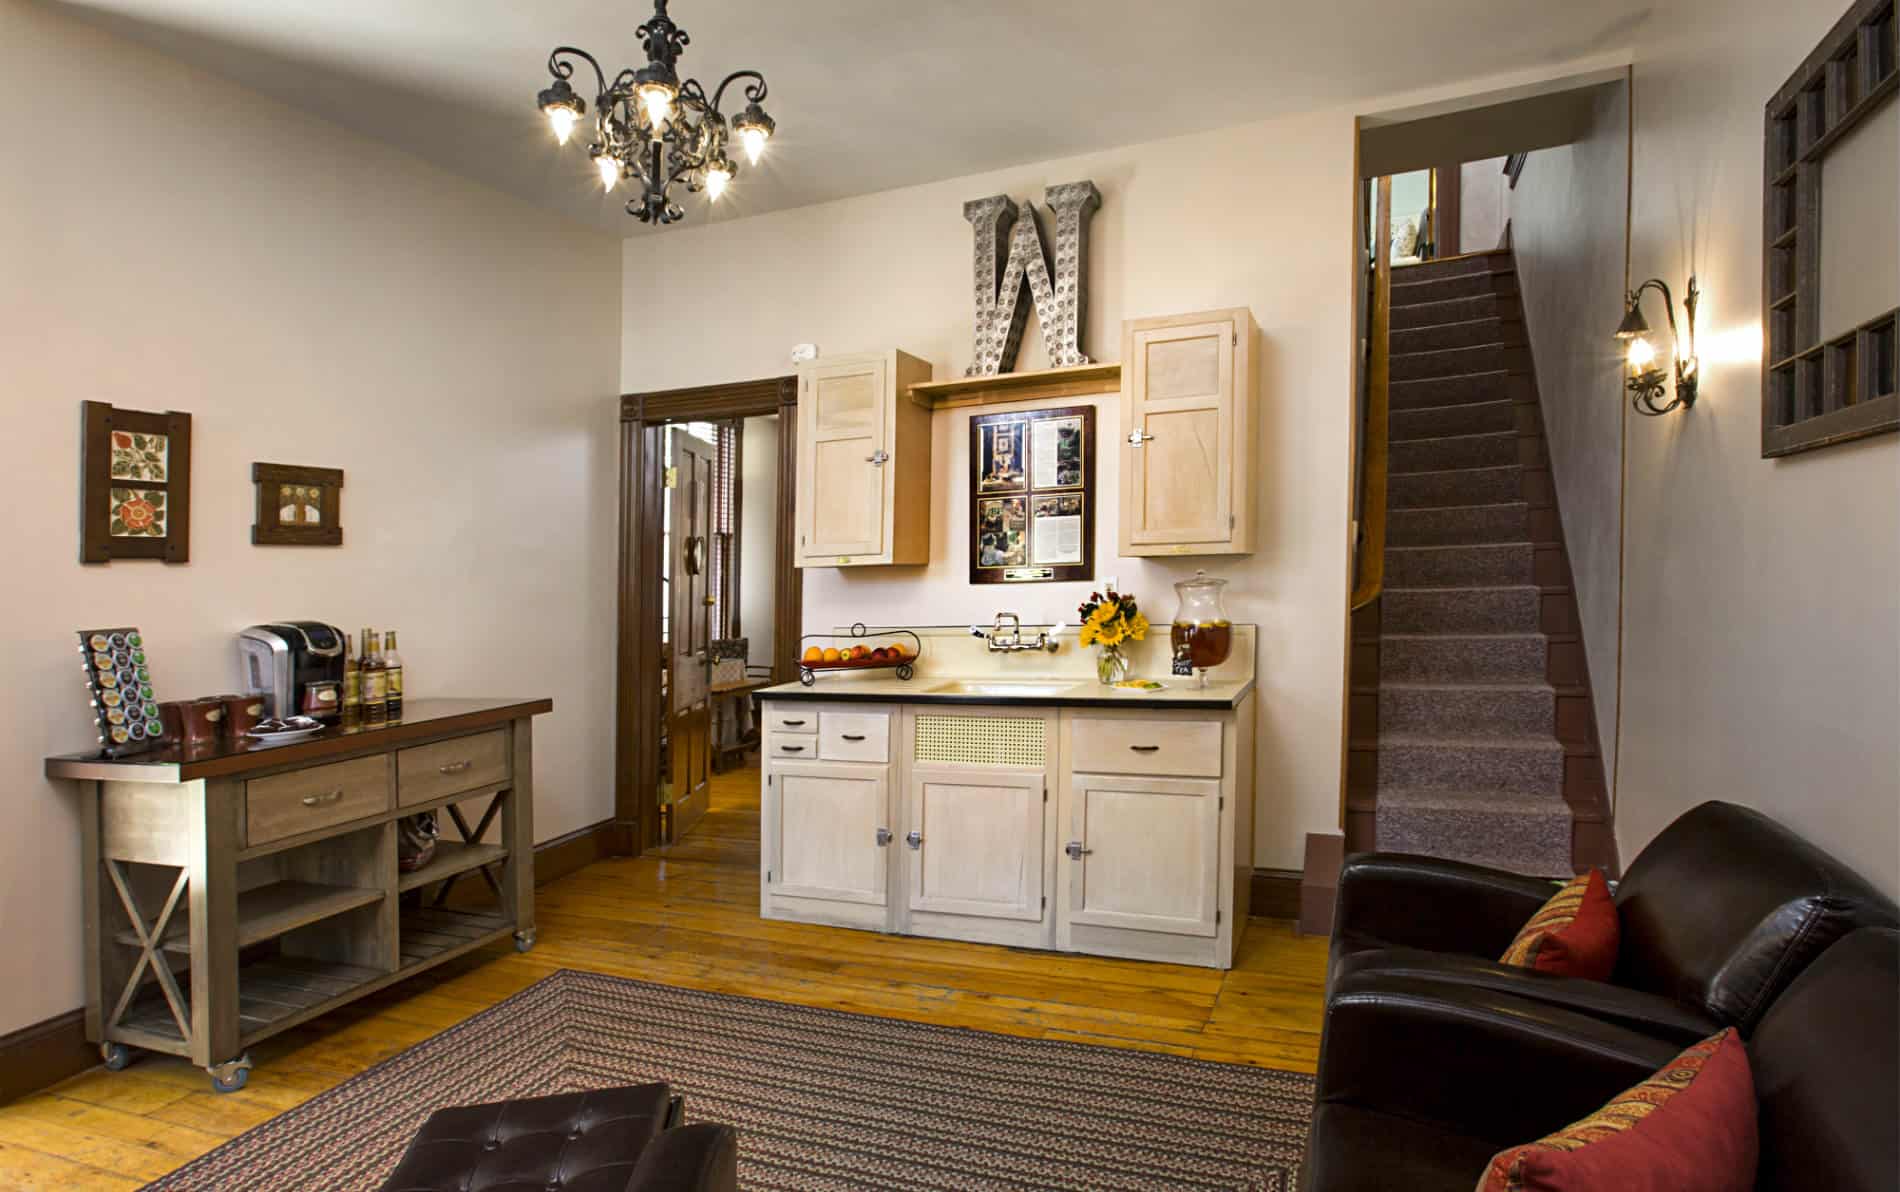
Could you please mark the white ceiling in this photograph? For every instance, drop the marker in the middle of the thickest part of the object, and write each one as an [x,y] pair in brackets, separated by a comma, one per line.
[868,94]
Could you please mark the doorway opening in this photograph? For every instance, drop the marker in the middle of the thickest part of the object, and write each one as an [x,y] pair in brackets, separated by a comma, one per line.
[709,599]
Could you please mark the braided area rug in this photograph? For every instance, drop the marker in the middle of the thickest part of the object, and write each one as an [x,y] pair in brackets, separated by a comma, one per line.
[822,1099]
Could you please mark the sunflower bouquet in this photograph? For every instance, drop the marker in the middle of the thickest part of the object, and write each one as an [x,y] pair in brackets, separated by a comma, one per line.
[1110,621]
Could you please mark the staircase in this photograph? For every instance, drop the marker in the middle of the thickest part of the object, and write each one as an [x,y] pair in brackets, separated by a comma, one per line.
[1472,732]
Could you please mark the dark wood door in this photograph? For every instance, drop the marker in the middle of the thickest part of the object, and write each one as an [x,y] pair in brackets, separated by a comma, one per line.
[689,649]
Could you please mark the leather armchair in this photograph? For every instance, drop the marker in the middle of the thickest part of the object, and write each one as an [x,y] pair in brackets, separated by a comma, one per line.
[607,1140]
[1421,1082]
[1721,911]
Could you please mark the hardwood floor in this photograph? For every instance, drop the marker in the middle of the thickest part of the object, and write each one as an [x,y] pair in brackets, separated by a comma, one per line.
[684,916]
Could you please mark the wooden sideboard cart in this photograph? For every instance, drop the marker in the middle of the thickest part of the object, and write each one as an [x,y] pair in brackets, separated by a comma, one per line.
[239,890]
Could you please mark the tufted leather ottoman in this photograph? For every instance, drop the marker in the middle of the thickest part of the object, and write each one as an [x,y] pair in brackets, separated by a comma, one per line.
[606,1140]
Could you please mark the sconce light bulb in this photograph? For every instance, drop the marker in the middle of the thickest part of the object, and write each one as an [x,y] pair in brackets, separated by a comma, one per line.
[1642,353]
[609,170]
[753,138]
[562,120]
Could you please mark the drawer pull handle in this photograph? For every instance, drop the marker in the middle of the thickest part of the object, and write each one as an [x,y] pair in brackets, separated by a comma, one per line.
[1144,748]
[854,736]
[791,748]
[454,767]
[335,796]
[793,723]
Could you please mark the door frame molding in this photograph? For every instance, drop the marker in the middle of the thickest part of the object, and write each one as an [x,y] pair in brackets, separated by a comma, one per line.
[637,620]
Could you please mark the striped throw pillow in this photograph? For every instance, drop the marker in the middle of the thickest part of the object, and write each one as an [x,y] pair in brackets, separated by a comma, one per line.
[1572,935]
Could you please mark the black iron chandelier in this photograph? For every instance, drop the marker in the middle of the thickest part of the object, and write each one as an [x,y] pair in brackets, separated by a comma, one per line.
[652,128]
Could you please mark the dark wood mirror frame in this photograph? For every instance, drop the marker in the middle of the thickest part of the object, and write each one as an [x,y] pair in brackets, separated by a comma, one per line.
[1815,393]
[637,708]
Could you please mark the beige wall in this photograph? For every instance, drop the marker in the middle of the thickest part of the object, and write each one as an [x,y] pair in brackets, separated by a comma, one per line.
[1568,218]
[1762,642]
[172,241]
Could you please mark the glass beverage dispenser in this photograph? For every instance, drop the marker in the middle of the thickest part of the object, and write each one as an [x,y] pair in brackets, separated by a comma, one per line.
[1202,635]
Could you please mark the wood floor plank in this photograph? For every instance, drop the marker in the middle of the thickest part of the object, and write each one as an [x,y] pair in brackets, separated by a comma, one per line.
[686,916]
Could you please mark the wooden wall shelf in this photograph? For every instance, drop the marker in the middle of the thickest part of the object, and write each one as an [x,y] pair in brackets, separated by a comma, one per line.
[1083,380]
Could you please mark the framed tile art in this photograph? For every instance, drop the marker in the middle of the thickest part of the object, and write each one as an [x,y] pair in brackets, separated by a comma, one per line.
[135,484]
[297,506]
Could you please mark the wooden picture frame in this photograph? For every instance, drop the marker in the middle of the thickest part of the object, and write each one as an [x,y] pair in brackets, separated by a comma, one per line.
[297,506]
[134,484]
[1816,393]
[1032,496]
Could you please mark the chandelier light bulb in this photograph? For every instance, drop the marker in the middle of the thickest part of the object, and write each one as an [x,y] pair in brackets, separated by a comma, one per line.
[718,176]
[609,170]
[657,100]
[562,120]
[753,138]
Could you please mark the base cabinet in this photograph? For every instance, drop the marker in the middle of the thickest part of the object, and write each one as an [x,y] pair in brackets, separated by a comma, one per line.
[1139,865]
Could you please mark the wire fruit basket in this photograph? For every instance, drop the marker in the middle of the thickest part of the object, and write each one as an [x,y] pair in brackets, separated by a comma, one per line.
[858,650]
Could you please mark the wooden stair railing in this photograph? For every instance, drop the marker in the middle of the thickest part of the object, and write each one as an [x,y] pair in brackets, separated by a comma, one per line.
[1369,562]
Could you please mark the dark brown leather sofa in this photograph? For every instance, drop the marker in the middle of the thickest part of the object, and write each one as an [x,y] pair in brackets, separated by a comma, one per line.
[1721,911]
[1421,1082]
[607,1140]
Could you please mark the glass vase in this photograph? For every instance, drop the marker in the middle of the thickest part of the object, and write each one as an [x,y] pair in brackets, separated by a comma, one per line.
[1111,665]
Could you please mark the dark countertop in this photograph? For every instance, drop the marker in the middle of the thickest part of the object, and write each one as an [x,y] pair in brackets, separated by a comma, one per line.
[422,719]
[1179,694]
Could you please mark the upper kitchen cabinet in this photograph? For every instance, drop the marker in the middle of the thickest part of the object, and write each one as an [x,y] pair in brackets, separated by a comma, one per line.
[863,462]
[1188,431]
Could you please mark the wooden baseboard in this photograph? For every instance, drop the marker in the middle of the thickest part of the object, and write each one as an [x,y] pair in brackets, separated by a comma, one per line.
[1276,893]
[46,1053]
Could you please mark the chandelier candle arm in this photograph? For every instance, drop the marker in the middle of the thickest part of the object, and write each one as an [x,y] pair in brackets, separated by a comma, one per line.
[654,128]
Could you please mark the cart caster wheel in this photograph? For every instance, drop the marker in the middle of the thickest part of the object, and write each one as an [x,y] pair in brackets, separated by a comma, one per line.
[524,940]
[115,1055]
[230,1077]
[904,672]
[806,677]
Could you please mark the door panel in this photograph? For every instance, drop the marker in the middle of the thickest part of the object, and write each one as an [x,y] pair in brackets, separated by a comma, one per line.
[980,841]
[821,832]
[1179,486]
[842,425]
[689,653]
[1149,853]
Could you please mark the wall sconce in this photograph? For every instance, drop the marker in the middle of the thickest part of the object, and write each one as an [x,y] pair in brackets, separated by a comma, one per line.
[1647,378]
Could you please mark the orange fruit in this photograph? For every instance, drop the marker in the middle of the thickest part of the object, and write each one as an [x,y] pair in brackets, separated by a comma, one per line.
[831,654]
[814,654]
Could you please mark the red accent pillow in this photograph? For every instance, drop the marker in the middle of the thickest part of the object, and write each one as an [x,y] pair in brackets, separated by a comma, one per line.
[1573,935]
[1689,1128]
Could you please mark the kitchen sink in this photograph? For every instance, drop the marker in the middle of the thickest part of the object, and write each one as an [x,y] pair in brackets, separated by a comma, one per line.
[1002,688]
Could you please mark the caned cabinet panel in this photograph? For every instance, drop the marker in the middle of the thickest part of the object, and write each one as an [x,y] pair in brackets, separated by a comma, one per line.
[821,831]
[1142,854]
[863,487]
[978,841]
[1187,449]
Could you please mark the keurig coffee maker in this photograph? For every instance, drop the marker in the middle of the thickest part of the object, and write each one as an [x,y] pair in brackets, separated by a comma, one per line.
[298,664]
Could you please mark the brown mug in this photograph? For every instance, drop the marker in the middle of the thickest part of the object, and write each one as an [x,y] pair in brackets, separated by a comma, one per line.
[172,714]
[204,720]
[241,713]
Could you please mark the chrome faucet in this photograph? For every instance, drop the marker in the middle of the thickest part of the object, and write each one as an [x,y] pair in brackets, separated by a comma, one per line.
[1012,642]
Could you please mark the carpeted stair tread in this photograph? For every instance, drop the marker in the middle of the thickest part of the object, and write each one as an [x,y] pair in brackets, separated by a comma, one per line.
[1469,333]
[1448,453]
[1449,310]
[1437,422]
[1477,657]
[1520,833]
[1436,289]
[1485,564]
[1527,742]
[1454,525]
[1430,393]
[1452,266]
[1455,487]
[1452,708]
[1446,362]
[1509,608]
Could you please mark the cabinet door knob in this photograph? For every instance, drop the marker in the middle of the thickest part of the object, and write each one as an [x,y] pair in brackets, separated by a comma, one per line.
[1144,748]
[883,837]
[914,839]
[335,796]
[1076,851]
[1138,436]
[454,767]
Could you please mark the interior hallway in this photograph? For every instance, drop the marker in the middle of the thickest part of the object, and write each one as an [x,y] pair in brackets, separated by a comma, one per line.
[684,916]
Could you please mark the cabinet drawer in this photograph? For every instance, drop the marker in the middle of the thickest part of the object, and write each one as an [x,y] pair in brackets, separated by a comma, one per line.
[854,736]
[431,771]
[286,805]
[1179,748]
[793,748]
[790,720]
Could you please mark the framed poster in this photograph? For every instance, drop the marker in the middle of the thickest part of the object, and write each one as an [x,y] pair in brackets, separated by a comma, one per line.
[1032,496]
